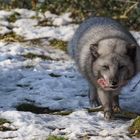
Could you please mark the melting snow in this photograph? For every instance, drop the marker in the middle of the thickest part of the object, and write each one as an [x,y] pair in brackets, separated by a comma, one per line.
[25,80]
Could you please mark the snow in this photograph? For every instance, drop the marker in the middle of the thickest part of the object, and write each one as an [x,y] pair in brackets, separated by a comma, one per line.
[24,13]
[4,14]
[30,31]
[77,124]
[29,80]
[63,19]
[4,23]
[29,28]
[4,30]
[24,23]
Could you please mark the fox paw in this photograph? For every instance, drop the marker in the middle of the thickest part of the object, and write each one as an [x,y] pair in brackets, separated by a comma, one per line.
[108,115]
[116,109]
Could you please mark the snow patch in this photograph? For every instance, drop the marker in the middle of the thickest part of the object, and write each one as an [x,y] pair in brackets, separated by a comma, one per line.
[4,30]
[56,84]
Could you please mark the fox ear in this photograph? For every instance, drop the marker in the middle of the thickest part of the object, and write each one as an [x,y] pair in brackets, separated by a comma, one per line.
[131,51]
[93,51]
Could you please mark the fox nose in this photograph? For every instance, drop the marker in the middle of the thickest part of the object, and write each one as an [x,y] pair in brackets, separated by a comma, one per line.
[113,82]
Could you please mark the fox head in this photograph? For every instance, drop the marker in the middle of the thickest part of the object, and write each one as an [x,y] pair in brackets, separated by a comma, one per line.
[113,70]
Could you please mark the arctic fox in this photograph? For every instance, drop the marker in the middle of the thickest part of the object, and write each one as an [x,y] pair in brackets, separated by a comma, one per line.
[107,55]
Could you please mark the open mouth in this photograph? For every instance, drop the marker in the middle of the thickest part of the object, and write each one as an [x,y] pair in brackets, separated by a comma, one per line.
[104,84]
[111,87]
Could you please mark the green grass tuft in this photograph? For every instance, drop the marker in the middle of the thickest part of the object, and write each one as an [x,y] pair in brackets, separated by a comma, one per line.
[59,44]
[3,121]
[13,17]
[11,37]
[134,129]
[36,17]
[51,137]
[127,12]
[45,22]
[33,56]
[62,113]
[30,107]
[4,128]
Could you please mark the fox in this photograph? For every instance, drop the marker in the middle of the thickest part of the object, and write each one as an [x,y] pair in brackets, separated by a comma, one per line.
[107,55]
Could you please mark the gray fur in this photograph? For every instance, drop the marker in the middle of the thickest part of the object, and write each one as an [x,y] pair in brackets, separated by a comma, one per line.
[99,41]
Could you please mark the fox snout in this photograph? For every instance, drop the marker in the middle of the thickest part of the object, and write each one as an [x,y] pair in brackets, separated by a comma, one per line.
[113,81]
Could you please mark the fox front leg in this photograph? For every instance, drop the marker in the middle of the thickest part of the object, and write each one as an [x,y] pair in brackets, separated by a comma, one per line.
[93,96]
[115,104]
[106,101]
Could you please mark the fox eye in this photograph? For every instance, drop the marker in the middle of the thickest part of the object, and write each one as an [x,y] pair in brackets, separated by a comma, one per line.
[121,66]
[105,67]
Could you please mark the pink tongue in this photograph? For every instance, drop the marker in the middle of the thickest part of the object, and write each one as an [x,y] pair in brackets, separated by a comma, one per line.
[102,82]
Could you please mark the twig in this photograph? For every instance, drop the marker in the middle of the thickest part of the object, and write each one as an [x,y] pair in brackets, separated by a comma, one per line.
[126,1]
[32,39]
[129,9]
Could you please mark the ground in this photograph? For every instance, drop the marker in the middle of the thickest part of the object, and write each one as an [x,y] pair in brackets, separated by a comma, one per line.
[34,71]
